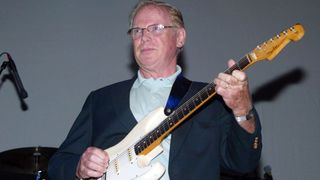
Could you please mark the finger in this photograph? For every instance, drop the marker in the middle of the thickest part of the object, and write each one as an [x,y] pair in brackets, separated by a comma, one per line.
[98,155]
[231,62]
[95,159]
[96,163]
[239,75]
[87,169]
[227,78]
[96,167]
[221,83]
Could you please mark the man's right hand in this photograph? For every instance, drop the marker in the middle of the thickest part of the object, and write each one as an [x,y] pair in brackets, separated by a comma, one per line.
[93,163]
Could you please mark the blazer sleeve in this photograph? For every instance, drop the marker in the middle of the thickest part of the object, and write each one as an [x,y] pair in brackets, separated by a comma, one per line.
[240,150]
[63,163]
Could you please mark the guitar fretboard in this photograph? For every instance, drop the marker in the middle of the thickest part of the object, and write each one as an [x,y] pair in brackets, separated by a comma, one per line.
[185,110]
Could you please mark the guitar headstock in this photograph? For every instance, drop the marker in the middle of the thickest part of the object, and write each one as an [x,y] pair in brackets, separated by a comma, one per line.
[269,49]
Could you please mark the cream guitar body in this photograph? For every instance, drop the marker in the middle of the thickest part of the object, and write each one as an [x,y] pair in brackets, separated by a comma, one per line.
[124,163]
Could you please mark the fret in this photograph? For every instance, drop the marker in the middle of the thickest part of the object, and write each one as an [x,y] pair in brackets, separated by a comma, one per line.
[144,143]
[151,137]
[179,114]
[232,68]
[140,148]
[203,94]
[176,119]
[196,100]
[162,128]
[137,148]
[173,117]
[241,64]
[237,66]
[170,119]
[158,132]
[210,88]
[190,104]
[244,62]
[170,124]
[185,109]
[165,125]
[228,71]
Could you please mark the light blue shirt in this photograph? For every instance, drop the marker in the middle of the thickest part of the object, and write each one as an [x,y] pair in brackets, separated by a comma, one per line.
[147,95]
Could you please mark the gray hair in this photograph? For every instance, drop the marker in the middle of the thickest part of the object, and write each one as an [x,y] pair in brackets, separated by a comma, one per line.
[175,14]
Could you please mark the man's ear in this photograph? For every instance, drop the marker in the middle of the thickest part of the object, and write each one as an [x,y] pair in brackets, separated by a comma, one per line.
[181,38]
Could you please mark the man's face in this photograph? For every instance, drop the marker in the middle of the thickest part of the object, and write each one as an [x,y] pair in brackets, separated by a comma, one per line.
[156,52]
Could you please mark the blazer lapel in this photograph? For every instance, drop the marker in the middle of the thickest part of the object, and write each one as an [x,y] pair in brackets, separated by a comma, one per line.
[123,106]
[180,133]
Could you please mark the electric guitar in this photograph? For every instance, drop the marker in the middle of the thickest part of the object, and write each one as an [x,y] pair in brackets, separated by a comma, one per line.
[130,158]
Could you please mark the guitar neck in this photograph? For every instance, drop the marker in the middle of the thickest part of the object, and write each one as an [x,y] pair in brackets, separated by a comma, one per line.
[154,138]
[242,64]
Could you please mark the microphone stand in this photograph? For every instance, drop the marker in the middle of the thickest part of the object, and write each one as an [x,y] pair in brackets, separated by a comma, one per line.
[4,65]
[9,76]
[4,78]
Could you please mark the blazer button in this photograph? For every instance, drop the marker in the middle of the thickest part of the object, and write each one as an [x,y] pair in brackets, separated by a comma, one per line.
[256,143]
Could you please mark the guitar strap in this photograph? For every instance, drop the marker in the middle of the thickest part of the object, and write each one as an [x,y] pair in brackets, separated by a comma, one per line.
[179,88]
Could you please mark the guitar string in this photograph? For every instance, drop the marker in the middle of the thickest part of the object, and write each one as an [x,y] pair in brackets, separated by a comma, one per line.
[194,101]
[149,138]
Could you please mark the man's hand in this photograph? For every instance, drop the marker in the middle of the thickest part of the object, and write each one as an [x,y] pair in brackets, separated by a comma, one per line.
[93,163]
[234,90]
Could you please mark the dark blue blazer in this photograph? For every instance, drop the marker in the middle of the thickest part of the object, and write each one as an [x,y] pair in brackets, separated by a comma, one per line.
[200,146]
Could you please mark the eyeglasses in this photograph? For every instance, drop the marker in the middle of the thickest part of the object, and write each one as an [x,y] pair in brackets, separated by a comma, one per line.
[154,29]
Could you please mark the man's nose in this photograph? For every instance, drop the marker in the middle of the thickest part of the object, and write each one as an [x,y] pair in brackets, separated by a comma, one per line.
[146,35]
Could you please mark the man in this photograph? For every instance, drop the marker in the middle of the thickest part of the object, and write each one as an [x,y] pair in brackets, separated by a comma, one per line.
[213,137]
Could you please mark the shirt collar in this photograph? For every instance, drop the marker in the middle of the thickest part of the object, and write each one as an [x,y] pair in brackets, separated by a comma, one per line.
[162,80]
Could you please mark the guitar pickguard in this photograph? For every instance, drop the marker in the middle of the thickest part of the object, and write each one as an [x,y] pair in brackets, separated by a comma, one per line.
[125,163]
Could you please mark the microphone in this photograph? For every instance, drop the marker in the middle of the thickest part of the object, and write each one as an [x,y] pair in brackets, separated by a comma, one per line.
[16,79]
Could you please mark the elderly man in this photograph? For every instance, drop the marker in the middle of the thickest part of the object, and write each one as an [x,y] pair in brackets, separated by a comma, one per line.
[223,133]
